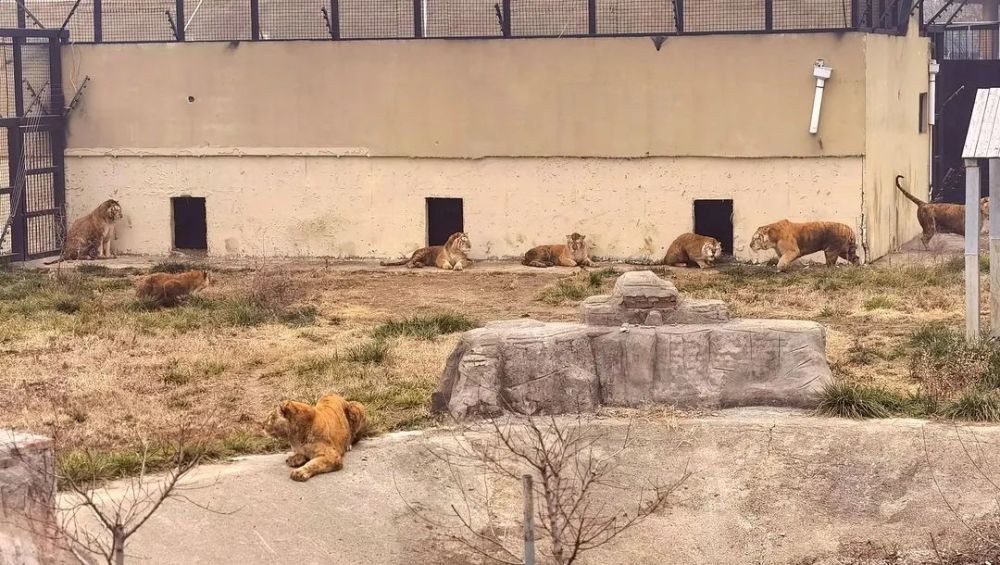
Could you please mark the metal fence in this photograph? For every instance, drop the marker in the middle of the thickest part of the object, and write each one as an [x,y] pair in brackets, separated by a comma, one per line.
[968,42]
[132,21]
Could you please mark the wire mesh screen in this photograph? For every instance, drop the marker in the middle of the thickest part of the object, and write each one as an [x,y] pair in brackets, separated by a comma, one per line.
[294,19]
[36,80]
[944,11]
[375,19]
[217,20]
[551,18]
[970,43]
[635,16]
[811,14]
[52,14]
[461,18]
[7,85]
[43,234]
[128,21]
[231,20]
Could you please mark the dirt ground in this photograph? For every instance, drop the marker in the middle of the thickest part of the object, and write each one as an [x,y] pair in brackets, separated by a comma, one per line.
[80,362]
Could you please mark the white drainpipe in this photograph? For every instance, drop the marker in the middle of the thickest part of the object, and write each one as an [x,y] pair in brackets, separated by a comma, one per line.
[822,73]
[932,70]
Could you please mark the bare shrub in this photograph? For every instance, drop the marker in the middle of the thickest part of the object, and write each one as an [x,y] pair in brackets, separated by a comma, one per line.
[585,497]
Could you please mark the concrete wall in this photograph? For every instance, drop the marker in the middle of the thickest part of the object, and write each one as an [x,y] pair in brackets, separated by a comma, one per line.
[731,96]
[324,148]
[896,69]
[355,206]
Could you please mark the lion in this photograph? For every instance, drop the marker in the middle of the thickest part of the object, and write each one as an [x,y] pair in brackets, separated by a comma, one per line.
[165,289]
[938,218]
[693,248]
[91,235]
[320,435]
[793,240]
[452,255]
[576,252]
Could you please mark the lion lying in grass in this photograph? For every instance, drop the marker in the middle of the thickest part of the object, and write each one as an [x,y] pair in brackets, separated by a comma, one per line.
[320,435]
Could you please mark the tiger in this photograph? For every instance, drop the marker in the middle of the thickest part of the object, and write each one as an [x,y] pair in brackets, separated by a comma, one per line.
[452,255]
[693,248]
[793,240]
[576,252]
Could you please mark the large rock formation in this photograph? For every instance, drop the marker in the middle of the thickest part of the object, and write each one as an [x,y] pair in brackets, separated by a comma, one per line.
[642,344]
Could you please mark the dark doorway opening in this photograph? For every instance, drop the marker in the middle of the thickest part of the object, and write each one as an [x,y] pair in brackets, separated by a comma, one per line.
[714,218]
[190,225]
[444,217]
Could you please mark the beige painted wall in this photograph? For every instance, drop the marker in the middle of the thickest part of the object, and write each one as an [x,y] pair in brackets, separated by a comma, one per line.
[896,75]
[356,206]
[341,142]
[740,96]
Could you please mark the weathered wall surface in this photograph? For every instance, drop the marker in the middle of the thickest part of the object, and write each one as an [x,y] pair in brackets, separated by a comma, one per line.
[731,96]
[355,206]
[342,142]
[896,75]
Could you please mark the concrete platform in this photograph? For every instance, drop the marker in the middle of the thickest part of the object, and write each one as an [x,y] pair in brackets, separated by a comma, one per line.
[766,486]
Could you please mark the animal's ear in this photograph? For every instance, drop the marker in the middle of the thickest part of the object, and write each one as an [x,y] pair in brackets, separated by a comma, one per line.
[355,413]
[292,410]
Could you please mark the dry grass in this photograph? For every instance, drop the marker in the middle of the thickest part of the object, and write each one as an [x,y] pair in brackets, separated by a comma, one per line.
[80,359]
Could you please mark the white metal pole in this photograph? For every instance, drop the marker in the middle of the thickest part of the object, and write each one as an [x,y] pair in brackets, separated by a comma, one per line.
[932,70]
[995,247]
[972,249]
[822,73]
[423,17]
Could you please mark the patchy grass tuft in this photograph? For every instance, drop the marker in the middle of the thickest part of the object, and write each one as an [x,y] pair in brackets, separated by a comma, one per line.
[975,405]
[425,327]
[858,401]
[879,303]
[177,267]
[375,352]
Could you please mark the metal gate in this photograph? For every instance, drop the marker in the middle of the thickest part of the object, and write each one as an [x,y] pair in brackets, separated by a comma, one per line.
[957,84]
[969,55]
[32,140]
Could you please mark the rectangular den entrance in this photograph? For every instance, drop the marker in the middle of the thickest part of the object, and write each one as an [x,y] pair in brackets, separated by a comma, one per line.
[190,225]
[714,218]
[444,217]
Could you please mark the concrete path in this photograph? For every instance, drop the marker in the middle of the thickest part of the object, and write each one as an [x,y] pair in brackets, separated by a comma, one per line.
[765,487]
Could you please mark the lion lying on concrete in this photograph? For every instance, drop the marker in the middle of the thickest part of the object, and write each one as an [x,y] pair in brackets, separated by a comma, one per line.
[453,255]
[320,435]
[791,241]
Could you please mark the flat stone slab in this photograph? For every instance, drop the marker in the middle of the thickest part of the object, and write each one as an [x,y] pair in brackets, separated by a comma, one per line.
[533,367]
[27,501]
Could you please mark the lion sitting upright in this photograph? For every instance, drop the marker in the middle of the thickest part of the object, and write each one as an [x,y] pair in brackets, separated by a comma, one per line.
[319,435]
[91,235]
[791,241]
[576,252]
[452,255]
[693,248]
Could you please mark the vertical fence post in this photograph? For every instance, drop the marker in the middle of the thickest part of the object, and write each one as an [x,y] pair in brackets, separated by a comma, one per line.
[335,19]
[255,20]
[529,521]
[507,28]
[994,169]
[98,21]
[57,138]
[19,227]
[768,15]
[22,18]
[971,249]
[418,18]
[679,15]
[179,16]
[592,17]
